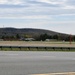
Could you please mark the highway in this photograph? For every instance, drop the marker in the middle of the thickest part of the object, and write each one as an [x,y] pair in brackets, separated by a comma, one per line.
[34,62]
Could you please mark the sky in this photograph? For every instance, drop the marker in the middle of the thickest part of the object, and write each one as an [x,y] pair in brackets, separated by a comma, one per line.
[55,15]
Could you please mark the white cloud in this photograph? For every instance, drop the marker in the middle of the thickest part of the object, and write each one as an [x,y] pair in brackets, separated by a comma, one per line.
[18,16]
[3,1]
[69,7]
[53,1]
[71,2]
[15,2]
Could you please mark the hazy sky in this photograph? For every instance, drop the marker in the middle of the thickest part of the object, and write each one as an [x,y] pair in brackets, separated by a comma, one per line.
[56,15]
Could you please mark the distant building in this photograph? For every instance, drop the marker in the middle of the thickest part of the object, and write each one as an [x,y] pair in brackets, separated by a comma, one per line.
[29,39]
[50,40]
[47,40]
[22,39]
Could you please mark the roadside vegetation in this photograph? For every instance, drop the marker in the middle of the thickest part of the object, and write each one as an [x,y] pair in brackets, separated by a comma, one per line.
[29,34]
[42,37]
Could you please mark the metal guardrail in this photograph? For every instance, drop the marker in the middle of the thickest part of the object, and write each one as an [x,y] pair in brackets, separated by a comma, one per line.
[46,48]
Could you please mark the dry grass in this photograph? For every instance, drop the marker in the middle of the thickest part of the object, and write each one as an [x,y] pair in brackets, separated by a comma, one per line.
[66,73]
[36,43]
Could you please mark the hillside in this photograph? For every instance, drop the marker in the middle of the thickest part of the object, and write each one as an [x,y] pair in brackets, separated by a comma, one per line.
[13,31]
[28,31]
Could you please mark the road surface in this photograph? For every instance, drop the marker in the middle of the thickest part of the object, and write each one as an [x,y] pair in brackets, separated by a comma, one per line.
[27,63]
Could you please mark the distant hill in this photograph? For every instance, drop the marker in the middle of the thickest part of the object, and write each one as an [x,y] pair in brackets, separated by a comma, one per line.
[13,31]
[28,31]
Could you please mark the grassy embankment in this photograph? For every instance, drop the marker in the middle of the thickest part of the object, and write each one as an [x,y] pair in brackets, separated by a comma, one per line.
[35,43]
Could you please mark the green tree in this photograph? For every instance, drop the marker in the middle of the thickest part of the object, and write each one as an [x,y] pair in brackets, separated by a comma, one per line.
[55,37]
[43,37]
[17,36]
[73,38]
[3,37]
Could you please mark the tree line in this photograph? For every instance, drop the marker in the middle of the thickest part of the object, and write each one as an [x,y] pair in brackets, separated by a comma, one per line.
[41,37]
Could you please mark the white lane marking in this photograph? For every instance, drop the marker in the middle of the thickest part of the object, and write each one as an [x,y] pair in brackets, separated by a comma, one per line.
[12,54]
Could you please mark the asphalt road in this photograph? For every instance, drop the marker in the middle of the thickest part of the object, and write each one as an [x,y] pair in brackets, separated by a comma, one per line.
[27,63]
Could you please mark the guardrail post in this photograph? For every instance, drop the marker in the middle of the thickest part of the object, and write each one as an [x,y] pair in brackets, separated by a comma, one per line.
[37,48]
[28,48]
[54,48]
[61,48]
[45,48]
[10,47]
[69,49]
[20,48]
[1,47]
